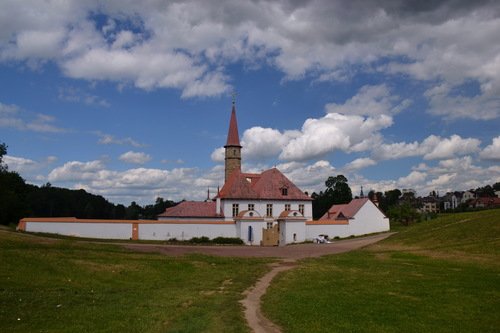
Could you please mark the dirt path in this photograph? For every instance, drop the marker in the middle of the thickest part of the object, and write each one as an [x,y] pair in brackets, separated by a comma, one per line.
[253,314]
[298,251]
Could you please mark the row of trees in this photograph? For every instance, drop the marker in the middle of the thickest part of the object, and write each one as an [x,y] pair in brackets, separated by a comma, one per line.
[19,199]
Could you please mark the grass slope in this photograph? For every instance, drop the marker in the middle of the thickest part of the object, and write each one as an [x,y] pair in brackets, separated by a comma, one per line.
[49,285]
[438,276]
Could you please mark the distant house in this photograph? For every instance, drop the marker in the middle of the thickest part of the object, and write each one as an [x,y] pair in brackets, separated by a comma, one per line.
[468,195]
[429,205]
[484,202]
[451,200]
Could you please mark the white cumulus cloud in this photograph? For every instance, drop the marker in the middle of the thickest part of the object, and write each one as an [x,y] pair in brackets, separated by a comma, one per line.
[492,152]
[135,157]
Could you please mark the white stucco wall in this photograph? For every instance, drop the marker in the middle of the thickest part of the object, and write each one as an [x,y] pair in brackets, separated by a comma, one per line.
[165,231]
[290,228]
[257,226]
[89,230]
[369,219]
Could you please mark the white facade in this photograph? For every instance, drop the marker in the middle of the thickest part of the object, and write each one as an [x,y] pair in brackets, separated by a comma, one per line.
[467,196]
[260,206]
[368,219]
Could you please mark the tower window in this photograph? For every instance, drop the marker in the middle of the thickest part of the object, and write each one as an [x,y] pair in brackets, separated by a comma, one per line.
[236,209]
[301,209]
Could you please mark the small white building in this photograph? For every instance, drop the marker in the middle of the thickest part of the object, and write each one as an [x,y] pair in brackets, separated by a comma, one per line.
[359,217]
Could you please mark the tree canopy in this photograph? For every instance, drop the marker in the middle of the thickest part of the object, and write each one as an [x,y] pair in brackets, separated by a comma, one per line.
[18,200]
[337,192]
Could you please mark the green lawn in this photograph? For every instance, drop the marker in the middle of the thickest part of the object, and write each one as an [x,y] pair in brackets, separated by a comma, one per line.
[50,285]
[437,276]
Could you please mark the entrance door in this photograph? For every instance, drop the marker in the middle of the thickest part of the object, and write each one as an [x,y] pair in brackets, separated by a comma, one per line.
[271,236]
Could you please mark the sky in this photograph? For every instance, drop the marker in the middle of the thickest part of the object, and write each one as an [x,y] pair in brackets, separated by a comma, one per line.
[131,99]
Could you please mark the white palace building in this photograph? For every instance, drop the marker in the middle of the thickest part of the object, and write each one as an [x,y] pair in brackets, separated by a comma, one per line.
[261,209]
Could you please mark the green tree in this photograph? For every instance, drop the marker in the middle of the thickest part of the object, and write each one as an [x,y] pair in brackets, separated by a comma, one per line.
[12,193]
[3,152]
[389,199]
[404,213]
[337,192]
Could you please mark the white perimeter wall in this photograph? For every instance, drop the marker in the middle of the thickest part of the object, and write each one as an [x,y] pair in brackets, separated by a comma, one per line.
[89,230]
[165,231]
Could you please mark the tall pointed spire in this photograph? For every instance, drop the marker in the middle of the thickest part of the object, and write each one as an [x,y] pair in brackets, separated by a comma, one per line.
[233,138]
[232,147]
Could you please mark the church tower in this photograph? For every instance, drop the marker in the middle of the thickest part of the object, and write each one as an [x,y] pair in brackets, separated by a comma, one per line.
[233,148]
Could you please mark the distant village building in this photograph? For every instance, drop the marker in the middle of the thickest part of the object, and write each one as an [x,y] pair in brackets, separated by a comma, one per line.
[484,202]
[259,208]
[468,195]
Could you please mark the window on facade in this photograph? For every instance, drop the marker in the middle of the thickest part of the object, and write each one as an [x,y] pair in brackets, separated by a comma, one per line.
[287,207]
[284,191]
[251,207]
[269,225]
[269,210]
[301,209]
[236,209]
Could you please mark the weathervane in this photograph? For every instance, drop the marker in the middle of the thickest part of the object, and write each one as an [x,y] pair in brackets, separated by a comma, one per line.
[233,94]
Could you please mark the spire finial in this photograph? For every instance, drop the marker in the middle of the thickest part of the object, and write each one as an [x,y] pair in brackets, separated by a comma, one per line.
[233,94]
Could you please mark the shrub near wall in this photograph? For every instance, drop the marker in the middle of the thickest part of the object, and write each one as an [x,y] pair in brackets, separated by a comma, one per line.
[216,240]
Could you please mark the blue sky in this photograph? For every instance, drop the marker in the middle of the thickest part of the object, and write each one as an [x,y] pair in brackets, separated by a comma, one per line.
[132,101]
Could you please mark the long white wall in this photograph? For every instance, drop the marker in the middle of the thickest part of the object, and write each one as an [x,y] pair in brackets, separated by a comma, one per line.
[88,230]
[179,231]
[369,219]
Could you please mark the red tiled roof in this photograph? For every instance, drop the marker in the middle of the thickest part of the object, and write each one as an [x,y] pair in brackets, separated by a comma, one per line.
[486,201]
[192,209]
[268,185]
[233,138]
[345,211]
[237,187]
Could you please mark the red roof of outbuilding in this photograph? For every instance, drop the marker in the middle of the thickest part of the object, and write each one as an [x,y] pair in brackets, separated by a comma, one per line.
[192,209]
[233,138]
[345,211]
[268,185]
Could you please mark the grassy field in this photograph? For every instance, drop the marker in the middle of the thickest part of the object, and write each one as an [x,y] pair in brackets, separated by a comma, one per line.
[54,285]
[437,276]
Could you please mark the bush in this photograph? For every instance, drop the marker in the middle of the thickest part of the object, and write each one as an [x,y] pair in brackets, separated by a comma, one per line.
[227,240]
[200,240]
